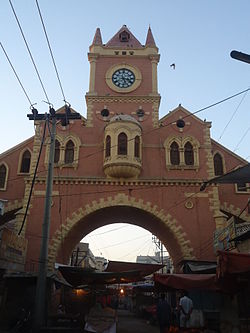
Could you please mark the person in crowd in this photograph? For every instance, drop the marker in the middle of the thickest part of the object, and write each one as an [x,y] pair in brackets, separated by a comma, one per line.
[185,308]
[163,314]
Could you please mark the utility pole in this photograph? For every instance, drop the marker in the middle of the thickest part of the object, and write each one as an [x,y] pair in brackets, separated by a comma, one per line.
[41,289]
[159,245]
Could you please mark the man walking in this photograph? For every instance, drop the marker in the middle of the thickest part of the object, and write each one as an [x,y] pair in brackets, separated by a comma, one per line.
[186,308]
[163,314]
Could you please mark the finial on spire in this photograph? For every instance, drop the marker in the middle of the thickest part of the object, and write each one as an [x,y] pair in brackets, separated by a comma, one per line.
[150,39]
[97,38]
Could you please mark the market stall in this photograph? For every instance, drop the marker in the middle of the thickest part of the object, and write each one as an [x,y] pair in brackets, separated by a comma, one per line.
[101,320]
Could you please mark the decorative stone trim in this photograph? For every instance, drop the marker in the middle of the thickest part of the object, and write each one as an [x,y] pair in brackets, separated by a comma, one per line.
[112,69]
[114,182]
[123,99]
[63,142]
[6,176]
[230,208]
[120,199]
[21,159]
[181,141]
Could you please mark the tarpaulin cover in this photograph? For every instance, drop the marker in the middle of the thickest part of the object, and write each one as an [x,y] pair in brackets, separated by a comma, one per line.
[240,175]
[233,263]
[187,281]
[122,266]
[78,276]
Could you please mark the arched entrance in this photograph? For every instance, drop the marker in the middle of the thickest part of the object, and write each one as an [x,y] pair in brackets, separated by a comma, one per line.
[120,209]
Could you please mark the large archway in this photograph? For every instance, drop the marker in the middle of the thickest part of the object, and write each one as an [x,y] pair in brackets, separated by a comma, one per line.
[120,209]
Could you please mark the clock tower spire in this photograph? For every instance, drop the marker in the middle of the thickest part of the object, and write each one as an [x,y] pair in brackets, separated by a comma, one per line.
[123,79]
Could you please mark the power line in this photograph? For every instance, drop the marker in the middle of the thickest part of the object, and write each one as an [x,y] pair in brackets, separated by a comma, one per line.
[16,75]
[27,46]
[33,180]
[123,242]
[50,49]
[237,108]
[106,232]
[243,136]
[154,129]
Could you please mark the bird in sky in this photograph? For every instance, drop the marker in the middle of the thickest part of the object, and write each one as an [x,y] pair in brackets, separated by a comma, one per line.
[173,66]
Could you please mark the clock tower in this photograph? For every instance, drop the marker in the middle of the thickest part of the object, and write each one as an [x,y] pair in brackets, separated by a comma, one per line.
[123,79]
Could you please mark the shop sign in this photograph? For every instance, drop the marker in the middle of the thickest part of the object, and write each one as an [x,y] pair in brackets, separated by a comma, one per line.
[222,238]
[12,247]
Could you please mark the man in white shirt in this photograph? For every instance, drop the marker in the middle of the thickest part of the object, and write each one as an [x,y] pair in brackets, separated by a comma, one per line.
[186,308]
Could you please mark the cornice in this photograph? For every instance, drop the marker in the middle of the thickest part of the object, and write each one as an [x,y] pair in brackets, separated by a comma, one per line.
[123,99]
[124,182]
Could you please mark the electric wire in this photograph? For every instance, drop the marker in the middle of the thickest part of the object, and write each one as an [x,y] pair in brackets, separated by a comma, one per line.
[50,49]
[237,108]
[123,242]
[105,232]
[148,132]
[241,139]
[141,247]
[33,180]
[16,74]
[30,54]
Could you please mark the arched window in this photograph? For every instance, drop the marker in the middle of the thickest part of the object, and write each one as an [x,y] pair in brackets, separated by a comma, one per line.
[188,154]
[174,154]
[69,152]
[218,165]
[3,174]
[137,146]
[57,152]
[25,165]
[107,146]
[122,144]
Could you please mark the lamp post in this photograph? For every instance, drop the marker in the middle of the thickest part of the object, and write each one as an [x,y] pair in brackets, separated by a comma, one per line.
[41,290]
[240,56]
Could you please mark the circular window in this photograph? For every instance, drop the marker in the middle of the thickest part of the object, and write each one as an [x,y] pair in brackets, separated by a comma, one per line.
[105,112]
[180,123]
[123,78]
[140,113]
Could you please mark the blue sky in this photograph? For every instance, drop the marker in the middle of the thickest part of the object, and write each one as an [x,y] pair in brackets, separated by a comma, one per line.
[197,36]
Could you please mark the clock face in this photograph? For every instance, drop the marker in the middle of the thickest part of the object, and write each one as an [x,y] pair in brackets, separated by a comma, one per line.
[123,78]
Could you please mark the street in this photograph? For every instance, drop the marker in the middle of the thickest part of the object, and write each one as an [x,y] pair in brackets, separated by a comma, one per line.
[127,323]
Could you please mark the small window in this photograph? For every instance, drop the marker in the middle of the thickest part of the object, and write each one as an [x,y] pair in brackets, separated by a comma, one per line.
[137,146]
[174,154]
[3,174]
[122,144]
[124,36]
[108,146]
[57,152]
[69,152]
[188,154]
[105,112]
[241,187]
[218,165]
[25,165]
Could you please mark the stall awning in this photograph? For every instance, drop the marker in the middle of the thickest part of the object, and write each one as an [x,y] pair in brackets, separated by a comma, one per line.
[121,266]
[233,263]
[238,176]
[199,267]
[78,276]
[186,281]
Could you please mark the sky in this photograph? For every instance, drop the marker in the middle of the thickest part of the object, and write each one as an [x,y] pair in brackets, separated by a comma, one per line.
[197,36]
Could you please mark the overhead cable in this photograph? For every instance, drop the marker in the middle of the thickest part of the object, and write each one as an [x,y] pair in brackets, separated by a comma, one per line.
[241,139]
[237,108]
[50,49]
[30,54]
[16,75]
[34,178]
